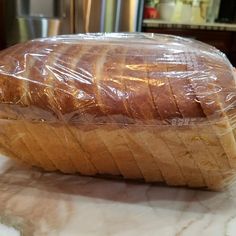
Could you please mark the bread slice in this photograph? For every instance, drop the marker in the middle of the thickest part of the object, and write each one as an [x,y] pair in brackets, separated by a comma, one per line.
[12,129]
[87,67]
[145,111]
[192,112]
[47,100]
[165,103]
[142,111]
[162,155]
[191,109]
[113,136]
[214,103]
[187,105]
[15,136]
[42,96]
[97,153]
[109,97]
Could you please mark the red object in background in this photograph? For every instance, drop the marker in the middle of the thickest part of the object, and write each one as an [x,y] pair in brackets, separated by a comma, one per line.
[150,13]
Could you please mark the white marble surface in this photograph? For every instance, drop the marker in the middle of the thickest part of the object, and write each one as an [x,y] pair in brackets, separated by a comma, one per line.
[51,204]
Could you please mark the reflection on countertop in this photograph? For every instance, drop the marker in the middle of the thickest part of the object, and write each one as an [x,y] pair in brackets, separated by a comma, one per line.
[205,26]
[41,204]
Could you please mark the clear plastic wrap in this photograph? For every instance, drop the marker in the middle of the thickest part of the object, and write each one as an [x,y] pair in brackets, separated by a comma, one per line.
[151,107]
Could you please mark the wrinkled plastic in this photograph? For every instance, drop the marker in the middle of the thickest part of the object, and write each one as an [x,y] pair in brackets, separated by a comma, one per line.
[142,106]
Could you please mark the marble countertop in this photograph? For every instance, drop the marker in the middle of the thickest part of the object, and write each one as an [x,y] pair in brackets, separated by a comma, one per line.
[205,26]
[34,203]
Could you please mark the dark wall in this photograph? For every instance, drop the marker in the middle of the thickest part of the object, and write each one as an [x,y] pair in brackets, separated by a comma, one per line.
[2,30]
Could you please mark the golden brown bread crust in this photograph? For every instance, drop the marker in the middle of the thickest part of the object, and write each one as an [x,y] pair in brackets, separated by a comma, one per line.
[79,84]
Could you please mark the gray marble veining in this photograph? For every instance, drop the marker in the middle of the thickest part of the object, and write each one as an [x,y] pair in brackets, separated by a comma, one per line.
[52,204]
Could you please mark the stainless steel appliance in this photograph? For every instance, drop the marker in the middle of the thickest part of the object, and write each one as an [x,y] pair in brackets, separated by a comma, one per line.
[28,19]
[108,15]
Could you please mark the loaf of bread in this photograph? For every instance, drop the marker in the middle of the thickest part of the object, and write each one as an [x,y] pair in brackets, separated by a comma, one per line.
[149,107]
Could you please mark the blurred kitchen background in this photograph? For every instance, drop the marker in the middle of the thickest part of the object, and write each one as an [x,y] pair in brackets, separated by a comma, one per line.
[210,21]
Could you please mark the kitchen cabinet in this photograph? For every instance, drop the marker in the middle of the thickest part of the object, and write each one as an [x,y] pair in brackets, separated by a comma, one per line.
[224,39]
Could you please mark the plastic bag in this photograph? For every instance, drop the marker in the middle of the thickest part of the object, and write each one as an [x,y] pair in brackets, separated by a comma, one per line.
[150,107]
